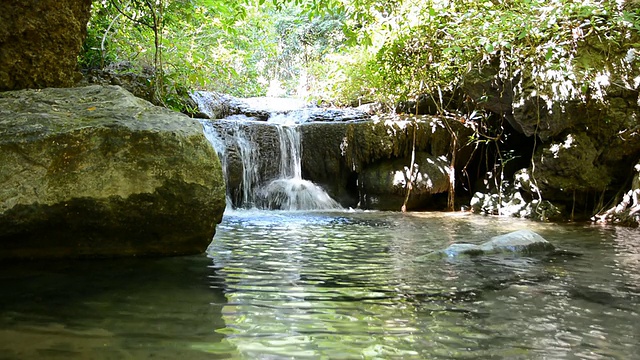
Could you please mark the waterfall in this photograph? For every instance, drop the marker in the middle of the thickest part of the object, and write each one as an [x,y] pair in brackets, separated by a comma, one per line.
[236,143]
[290,145]
[290,191]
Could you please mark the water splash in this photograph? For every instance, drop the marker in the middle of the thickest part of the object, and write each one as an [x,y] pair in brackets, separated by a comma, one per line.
[291,191]
[297,194]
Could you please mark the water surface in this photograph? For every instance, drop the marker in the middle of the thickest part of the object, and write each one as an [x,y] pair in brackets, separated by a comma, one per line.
[335,285]
[354,285]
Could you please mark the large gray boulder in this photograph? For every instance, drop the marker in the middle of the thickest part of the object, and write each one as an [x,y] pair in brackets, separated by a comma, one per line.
[95,171]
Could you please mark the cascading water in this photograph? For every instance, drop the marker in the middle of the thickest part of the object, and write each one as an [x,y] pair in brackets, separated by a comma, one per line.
[287,190]
[236,140]
[291,191]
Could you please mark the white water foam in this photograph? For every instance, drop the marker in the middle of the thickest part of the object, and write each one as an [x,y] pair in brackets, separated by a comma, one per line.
[291,191]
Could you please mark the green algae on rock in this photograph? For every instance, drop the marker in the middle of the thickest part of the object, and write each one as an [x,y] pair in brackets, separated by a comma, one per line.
[95,171]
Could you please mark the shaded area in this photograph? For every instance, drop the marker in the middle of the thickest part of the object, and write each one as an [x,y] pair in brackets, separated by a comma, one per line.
[108,309]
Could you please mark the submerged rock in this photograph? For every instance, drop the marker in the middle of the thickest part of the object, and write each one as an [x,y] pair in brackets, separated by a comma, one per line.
[521,242]
[95,171]
[524,242]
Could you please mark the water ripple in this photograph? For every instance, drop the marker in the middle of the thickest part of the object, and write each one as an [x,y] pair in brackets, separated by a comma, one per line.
[347,285]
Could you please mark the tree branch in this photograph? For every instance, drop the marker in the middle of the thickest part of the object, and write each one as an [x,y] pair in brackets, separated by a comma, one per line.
[114,3]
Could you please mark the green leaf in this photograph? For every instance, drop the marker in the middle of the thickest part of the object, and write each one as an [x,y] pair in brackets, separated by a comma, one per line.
[549,54]
[489,47]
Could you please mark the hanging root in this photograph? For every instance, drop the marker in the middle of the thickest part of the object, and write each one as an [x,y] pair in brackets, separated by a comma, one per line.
[411,168]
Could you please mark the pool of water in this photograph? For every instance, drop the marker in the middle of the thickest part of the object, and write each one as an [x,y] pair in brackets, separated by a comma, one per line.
[336,285]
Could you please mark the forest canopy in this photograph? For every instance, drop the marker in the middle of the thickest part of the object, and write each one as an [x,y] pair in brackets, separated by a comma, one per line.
[352,52]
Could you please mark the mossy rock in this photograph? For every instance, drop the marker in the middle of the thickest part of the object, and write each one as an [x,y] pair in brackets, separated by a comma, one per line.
[95,171]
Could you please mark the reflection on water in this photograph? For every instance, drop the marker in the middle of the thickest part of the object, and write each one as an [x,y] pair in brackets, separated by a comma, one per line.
[335,285]
[350,286]
[108,309]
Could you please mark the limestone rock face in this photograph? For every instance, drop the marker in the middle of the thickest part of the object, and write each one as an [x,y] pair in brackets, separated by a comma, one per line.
[251,152]
[385,183]
[95,171]
[586,143]
[40,41]
[572,164]
[363,158]
[324,163]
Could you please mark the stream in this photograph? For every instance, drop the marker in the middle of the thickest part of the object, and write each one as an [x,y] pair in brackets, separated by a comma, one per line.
[336,285]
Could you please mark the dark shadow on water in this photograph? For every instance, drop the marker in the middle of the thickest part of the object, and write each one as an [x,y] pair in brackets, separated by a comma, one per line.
[109,308]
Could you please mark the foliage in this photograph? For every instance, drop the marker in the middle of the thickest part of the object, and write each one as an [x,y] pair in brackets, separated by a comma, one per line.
[421,46]
[303,42]
[237,48]
[349,52]
[191,44]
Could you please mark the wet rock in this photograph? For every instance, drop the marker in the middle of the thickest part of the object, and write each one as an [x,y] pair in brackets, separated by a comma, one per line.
[462,249]
[323,162]
[217,106]
[40,42]
[523,242]
[343,156]
[212,105]
[95,171]
[372,108]
[251,151]
[329,114]
[384,185]
[622,300]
